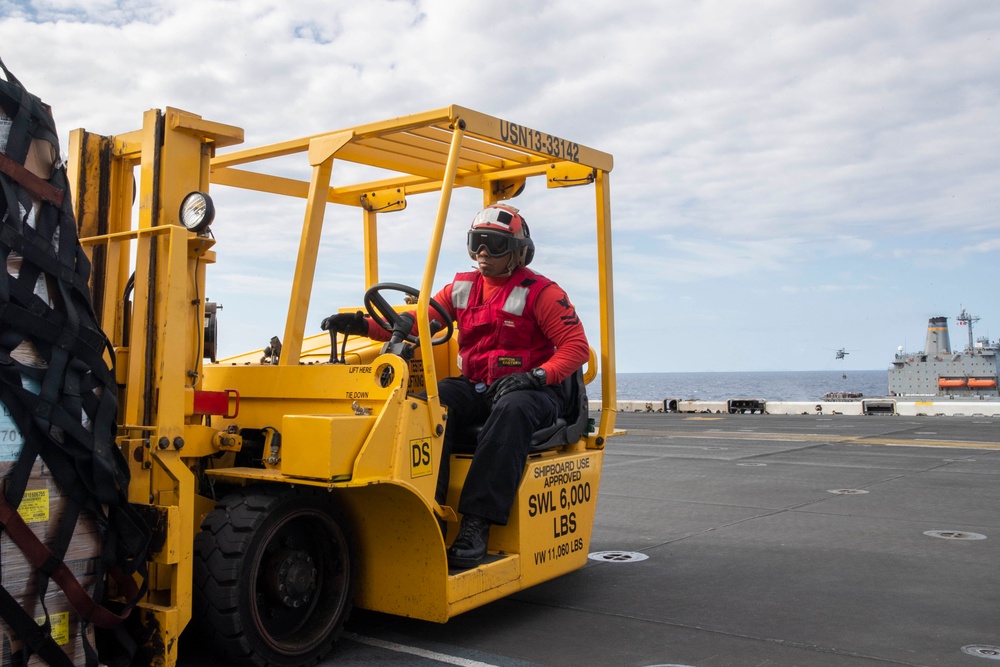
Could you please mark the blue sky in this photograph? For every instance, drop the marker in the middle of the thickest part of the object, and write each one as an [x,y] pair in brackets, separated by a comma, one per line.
[791,177]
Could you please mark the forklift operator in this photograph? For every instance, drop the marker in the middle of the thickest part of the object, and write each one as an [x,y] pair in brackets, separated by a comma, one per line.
[519,338]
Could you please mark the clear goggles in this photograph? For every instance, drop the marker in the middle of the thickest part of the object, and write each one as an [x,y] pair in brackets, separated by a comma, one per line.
[496,244]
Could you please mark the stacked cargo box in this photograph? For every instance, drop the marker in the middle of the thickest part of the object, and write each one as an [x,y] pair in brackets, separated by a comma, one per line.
[43,509]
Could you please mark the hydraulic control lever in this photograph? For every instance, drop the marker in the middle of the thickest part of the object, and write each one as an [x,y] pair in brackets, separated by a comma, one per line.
[333,348]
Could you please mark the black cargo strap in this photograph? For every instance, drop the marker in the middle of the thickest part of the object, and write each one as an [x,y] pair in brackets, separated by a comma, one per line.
[37,638]
[31,117]
[50,399]
[53,567]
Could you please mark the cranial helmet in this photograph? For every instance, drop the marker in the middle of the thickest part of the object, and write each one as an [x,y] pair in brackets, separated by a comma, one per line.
[501,229]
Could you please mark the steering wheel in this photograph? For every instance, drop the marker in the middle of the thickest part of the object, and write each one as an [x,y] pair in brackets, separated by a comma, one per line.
[387,317]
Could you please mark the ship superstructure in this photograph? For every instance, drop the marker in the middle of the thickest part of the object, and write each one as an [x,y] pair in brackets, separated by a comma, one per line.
[939,370]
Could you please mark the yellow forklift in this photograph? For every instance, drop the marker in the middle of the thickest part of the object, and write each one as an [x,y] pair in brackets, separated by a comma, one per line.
[290,484]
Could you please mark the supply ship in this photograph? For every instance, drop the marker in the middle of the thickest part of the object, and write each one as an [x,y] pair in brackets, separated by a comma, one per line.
[941,371]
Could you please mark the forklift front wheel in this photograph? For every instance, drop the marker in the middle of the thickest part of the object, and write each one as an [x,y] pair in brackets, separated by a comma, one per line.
[274,576]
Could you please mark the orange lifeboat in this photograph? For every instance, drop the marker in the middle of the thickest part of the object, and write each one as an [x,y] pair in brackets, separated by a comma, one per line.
[983,383]
[951,383]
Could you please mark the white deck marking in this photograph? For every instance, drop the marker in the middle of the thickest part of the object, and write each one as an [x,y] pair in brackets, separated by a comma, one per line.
[413,650]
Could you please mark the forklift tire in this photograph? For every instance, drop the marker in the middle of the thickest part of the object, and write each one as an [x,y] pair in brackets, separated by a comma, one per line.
[273,576]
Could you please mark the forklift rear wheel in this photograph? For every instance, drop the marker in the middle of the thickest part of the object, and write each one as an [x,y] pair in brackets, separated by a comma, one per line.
[273,576]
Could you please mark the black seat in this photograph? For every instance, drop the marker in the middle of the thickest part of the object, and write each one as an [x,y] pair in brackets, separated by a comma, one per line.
[568,428]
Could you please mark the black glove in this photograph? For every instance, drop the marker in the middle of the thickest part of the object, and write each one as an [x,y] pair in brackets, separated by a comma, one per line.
[348,323]
[513,382]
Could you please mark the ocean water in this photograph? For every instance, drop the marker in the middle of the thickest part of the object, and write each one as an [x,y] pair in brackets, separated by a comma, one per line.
[773,386]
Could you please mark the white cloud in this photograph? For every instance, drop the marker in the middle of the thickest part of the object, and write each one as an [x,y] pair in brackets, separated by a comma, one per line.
[761,143]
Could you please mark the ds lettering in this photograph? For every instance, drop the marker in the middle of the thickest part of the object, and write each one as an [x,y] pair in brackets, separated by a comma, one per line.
[421,454]
[420,458]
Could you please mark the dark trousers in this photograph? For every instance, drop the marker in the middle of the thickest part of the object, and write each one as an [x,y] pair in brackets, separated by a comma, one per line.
[501,449]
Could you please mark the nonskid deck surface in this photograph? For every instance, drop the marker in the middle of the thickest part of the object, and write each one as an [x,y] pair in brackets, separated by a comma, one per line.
[734,540]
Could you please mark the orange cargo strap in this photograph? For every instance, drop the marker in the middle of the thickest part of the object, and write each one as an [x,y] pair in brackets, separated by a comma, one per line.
[33,184]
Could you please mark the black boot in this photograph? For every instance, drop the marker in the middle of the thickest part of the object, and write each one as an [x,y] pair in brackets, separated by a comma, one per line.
[469,546]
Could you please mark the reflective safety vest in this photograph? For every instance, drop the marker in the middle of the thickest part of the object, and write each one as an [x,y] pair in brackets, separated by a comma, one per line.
[502,336]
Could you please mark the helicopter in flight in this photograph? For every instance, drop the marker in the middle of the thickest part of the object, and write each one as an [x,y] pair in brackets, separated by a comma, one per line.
[841,354]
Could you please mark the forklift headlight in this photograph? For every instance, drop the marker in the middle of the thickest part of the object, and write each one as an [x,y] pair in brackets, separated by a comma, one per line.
[197,212]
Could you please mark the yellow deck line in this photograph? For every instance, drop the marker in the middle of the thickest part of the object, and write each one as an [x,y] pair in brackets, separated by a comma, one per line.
[817,437]
[963,444]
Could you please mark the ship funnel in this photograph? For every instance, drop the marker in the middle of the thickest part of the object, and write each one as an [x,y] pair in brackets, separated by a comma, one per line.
[937,336]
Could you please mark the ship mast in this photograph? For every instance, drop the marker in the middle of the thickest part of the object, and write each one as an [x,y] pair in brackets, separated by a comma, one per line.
[965,318]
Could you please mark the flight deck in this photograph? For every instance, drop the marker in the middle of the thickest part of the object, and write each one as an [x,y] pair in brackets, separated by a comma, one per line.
[729,540]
